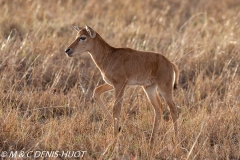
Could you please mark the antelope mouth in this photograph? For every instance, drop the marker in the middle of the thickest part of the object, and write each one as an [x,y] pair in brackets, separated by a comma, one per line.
[70,54]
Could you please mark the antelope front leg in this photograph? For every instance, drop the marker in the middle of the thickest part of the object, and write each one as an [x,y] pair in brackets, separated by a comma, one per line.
[119,92]
[97,93]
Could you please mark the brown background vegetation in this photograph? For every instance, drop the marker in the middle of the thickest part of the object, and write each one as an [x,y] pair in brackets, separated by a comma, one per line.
[45,97]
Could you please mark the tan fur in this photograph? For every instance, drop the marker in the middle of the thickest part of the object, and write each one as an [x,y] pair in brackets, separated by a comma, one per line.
[124,66]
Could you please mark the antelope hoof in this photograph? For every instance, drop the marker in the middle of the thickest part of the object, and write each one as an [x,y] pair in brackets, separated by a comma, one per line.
[119,129]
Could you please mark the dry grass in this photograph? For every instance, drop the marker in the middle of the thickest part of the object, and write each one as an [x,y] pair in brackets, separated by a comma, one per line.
[46,96]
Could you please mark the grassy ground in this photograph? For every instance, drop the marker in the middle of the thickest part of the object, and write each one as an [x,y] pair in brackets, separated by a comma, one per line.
[45,97]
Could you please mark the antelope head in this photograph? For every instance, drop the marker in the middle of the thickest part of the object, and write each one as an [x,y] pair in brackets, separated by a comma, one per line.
[83,41]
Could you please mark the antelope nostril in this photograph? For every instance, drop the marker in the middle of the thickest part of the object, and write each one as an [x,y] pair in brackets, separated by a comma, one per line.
[68,49]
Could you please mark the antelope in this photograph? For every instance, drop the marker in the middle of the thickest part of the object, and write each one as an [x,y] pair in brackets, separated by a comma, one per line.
[121,67]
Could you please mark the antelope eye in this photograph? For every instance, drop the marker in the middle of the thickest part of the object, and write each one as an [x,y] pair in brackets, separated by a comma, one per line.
[82,38]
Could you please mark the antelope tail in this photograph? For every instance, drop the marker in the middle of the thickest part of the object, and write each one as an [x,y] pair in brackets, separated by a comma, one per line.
[176,76]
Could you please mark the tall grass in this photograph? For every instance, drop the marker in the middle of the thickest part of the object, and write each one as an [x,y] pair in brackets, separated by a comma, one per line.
[46,100]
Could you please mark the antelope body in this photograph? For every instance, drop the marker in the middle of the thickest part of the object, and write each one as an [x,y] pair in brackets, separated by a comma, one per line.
[124,66]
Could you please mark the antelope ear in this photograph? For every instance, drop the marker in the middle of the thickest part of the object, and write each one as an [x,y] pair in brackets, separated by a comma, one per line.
[90,31]
[76,28]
